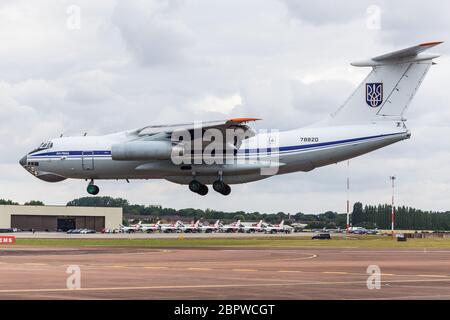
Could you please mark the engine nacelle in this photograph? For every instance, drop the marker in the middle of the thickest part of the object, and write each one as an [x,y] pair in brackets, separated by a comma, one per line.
[145,150]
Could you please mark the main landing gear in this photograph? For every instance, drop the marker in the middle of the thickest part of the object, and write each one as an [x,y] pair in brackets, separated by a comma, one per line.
[198,187]
[201,189]
[92,188]
[221,187]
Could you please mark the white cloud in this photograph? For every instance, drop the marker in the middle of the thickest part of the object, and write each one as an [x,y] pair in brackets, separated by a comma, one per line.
[217,104]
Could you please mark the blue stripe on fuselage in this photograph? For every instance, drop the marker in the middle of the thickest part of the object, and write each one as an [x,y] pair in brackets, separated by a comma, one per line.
[316,145]
[107,153]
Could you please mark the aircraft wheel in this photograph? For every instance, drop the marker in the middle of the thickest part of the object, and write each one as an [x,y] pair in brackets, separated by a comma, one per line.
[221,187]
[203,190]
[227,190]
[195,186]
[93,189]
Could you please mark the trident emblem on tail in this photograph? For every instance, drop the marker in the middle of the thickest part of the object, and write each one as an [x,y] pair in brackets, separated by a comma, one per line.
[374,94]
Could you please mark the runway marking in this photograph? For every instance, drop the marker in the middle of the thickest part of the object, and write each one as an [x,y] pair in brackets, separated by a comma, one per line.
[35,264]
[199,269]
[212,286]
[115,266]
[389,274]
[335,272]
[244,270]
[155,267]
[309,256]
[431,275]
[289,271]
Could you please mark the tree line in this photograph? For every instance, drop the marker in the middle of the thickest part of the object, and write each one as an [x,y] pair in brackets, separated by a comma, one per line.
[406,218]
[368,216]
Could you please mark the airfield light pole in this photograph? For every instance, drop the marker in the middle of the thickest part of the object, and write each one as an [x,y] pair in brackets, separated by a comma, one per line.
[392,178]
[348,198]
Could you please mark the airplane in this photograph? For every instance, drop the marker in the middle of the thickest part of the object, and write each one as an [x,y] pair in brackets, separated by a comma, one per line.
[251,227]
[299,226]
[193,227]
[131,228]
[234,227]
[275,228]
[210,228]
[358,230]
[170,227]
[372,117]
[150,227]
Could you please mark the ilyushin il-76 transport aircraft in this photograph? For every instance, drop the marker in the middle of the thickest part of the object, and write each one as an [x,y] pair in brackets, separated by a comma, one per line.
[228,152]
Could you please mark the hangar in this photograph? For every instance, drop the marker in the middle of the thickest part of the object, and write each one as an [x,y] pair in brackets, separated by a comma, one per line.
[59,218]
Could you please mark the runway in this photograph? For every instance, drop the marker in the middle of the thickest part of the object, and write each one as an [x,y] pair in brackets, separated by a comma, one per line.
[143,273]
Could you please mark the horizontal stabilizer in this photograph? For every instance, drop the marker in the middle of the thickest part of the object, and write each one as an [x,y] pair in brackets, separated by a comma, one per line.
[411,54]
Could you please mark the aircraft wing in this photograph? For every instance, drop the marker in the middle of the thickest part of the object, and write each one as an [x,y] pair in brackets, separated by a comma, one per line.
[164,132]
[218,124]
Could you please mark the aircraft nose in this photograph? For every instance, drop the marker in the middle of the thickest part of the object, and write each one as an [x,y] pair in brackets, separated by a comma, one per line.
[23,161]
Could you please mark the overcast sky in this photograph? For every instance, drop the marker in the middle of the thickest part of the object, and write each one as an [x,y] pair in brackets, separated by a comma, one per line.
[131,63]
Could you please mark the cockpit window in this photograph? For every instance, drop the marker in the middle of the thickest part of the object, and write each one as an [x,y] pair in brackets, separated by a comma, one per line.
[43,146]
[46,145]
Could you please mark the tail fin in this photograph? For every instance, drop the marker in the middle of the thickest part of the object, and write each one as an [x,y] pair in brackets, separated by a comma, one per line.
[281,223]
[216,225]
[387,91]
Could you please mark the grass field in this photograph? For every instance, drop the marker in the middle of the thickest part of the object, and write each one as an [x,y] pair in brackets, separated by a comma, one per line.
[360,242]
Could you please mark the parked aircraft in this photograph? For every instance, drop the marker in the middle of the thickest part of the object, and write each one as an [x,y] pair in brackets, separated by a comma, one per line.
[131,228]
[170,227]
[210,228]
[251,227]
[233,227]
[275,228]
[299,226]
[150,227]
[193,227]
[373,117]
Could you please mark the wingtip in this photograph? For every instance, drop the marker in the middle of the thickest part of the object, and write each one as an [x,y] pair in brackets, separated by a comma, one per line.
[243,119]
[431,43]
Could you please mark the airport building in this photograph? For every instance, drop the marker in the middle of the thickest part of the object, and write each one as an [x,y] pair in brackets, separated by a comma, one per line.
[62,218]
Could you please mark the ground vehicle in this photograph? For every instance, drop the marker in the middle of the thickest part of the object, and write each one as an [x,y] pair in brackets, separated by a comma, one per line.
[321,236]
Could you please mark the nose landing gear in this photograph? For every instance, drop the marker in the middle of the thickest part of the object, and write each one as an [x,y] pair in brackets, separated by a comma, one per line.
[198,187]
[92,188]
